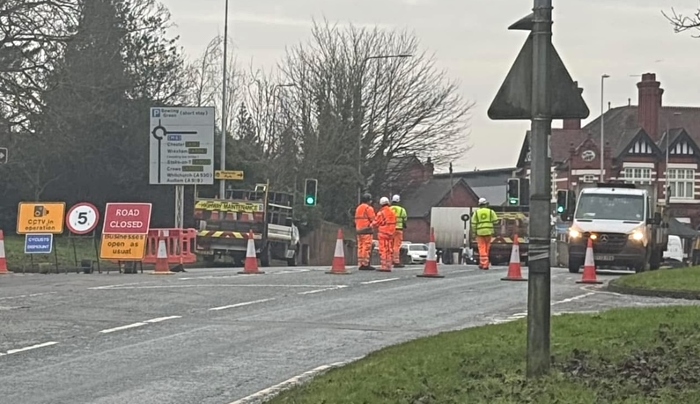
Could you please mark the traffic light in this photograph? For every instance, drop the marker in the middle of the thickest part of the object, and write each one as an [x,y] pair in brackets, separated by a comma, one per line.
[513,191]
[562,201]
[310,191]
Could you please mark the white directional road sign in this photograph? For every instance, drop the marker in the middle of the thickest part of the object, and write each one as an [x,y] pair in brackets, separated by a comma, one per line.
[182,146]
[82,218]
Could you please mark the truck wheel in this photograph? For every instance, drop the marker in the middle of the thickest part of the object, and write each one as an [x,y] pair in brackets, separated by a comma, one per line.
[574,265]
[292,262]
[265,256]
[655,259]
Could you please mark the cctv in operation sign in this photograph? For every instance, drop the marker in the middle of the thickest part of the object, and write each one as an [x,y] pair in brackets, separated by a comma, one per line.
[40,217]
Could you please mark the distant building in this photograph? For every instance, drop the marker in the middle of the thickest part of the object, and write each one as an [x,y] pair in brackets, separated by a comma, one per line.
[637,140]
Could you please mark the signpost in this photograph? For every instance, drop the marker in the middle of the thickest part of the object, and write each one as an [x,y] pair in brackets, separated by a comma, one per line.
[40,219]
[181,150]
[3,155]
[124,231]
[228,175]
[82,218]
[38,243]
[538,88]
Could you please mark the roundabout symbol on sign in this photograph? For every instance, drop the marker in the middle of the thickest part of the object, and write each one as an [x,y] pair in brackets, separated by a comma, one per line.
[82,218]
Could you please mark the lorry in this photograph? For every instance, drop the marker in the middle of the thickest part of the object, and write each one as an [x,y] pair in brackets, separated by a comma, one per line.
[224,226]
[453,232]
[626,224]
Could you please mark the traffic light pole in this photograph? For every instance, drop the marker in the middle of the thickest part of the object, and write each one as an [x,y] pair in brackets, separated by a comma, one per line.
[539,287]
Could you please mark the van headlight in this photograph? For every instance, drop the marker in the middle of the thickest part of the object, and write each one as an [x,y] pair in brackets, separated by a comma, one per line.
[573,233]
[637,235]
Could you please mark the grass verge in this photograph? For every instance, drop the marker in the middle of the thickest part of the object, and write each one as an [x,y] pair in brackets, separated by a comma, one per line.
[683,283]
[620,356]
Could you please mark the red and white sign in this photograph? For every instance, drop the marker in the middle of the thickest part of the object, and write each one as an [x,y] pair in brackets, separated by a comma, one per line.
[127,218]
[82,218]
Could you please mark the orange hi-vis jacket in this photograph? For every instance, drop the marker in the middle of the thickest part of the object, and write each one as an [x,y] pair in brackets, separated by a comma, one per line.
[386,221]
[364,216]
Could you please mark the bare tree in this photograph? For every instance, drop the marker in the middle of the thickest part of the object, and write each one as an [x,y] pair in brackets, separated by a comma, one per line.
[357,103]
[32,37]
[682,23]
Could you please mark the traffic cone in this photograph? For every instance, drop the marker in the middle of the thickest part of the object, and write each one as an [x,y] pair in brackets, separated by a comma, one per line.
[589,275]
[3,261]
[431,269]
[162,267]
[338,267]
[514,269]
[251,260]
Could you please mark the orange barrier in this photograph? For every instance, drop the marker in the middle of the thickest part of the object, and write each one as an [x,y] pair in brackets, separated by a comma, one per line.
[179,244]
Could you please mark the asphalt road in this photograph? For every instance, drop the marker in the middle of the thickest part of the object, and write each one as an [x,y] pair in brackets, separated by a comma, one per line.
[210,336]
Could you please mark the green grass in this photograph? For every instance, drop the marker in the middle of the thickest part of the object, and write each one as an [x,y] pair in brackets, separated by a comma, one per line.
[621,356]
[18,261]
[673,280]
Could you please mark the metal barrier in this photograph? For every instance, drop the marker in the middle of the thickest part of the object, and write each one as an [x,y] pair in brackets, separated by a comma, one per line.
[179,243]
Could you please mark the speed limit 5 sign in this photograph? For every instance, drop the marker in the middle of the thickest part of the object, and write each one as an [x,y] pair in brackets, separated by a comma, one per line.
[82,218]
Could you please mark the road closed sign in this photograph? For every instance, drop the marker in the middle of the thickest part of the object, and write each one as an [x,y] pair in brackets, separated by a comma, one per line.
[127,218]
[40,217]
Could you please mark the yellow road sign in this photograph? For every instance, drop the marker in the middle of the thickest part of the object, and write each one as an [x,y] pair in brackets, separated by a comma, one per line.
[123,247]
[246,207]
[41,217]
[228,175]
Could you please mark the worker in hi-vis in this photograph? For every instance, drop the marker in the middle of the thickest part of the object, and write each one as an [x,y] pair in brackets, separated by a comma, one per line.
[401,219]
[484,220]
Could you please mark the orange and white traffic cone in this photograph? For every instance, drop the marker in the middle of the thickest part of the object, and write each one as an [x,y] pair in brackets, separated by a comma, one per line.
[589,275]
[162,267]
[514,269]
[338,267]
[3,261]
[251,259]
[431,269]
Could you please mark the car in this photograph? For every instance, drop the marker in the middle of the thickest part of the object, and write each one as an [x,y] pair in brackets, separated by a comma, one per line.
[417,252]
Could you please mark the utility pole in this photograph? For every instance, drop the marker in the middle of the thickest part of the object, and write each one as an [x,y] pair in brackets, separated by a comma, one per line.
[538,88]
[222,183]
[602,127]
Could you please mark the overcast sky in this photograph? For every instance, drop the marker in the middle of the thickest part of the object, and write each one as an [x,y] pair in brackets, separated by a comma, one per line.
[622,38]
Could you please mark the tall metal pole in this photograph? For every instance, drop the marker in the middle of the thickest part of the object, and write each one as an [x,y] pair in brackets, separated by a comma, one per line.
[602,127]
[222,183]
[539,287]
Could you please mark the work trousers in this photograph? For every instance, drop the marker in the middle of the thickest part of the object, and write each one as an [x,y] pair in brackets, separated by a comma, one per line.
[364,249]
[484,243]
[386,251]
[398,239]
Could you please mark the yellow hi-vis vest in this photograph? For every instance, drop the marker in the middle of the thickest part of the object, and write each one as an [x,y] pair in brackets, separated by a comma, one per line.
[483,221]
[401,216]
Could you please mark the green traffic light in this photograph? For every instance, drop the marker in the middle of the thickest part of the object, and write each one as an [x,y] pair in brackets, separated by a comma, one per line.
[560,209]
[309,200]
[513,201]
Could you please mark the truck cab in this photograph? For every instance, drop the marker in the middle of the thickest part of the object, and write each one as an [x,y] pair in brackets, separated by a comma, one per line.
[624,225]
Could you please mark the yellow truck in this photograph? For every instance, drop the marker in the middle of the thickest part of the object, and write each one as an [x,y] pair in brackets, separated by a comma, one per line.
[224,226]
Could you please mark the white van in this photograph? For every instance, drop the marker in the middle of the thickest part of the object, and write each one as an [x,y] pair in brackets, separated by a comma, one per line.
[674,250]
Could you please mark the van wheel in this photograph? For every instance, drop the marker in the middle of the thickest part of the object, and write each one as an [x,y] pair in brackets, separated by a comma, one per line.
[265,256]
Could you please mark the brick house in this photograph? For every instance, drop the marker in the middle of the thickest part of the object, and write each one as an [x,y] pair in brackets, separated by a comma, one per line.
[638,140]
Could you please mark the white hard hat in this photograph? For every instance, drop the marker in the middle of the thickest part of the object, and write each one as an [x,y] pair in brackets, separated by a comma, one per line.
[482,201]
[384,201]
[396,198]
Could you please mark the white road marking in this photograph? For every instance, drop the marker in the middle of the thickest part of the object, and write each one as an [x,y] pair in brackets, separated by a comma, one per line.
[286,271]
[159,319]
[233,306]
[518,316]
[379,281]
[25,296]
[215,286]
[311,292]
[14,351]
[571,299]
[124,327]
[271,391]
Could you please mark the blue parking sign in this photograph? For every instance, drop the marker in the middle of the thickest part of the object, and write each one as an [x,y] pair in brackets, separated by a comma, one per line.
[38,243]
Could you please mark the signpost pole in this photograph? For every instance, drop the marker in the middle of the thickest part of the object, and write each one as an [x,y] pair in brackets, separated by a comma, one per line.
[539,288]
[179,206]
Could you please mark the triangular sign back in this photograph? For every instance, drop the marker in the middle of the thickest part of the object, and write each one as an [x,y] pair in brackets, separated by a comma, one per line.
[514,99]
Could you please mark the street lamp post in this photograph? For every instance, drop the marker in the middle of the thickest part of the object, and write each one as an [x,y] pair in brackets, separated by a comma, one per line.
[668,144]
[222,182]
[602,127]
[359,135]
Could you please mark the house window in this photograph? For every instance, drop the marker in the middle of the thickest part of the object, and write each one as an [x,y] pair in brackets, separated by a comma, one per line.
[682,183]
[637,174]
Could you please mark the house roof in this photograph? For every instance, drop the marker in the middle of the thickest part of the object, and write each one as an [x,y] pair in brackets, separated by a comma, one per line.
[482,178]
[495,194]
[419,202]
[621,127]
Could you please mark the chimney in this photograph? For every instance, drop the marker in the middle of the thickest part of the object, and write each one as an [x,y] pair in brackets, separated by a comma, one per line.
[428,169]
[573,123]
[650,93]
